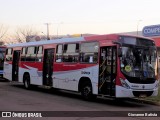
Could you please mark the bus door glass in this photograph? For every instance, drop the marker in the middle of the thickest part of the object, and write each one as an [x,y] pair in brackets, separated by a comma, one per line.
[15,65]
[48,66]
[107,70]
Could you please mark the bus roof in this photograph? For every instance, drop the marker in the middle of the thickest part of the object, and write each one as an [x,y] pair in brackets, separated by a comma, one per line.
[63,40]
[75,39]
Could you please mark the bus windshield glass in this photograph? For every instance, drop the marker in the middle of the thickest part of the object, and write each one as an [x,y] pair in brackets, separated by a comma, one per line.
[138,58]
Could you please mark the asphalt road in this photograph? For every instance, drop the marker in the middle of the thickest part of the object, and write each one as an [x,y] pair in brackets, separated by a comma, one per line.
[14,97]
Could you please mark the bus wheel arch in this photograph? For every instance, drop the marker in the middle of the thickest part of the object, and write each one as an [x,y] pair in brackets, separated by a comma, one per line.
[85,88]
[26,80]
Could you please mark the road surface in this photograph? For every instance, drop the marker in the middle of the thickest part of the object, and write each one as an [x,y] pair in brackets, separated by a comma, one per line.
[62,105]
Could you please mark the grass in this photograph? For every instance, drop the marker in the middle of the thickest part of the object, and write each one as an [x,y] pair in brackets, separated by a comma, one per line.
[155,98]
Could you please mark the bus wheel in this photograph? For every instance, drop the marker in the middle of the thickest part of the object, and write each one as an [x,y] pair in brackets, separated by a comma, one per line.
[26,81]
[86,91]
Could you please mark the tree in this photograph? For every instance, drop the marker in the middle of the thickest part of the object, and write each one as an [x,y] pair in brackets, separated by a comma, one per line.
[3,32]
[23,33]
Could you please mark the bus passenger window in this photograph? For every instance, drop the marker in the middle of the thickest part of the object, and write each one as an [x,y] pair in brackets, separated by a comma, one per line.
[23,54]
[71,53]
[39,54]
[89,52]
[59,53]
[31,54]
[9,54]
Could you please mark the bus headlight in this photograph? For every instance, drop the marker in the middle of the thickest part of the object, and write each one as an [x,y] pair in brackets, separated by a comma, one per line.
[124,84]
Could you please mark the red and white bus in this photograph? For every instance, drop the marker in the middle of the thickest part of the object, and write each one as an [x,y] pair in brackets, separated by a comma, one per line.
[108,65]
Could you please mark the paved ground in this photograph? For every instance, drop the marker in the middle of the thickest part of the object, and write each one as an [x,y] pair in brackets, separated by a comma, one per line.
[13,97]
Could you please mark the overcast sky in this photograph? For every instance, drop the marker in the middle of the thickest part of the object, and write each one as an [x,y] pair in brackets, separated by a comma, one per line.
[80,16]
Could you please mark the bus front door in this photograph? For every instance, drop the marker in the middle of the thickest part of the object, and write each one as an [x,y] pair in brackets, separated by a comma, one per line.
[15,65]
[48,67]
[107,70]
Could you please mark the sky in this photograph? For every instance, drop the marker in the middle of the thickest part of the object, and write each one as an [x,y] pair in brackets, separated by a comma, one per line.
[80,16]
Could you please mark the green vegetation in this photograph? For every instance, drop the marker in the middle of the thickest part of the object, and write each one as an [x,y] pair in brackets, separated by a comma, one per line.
[156,98]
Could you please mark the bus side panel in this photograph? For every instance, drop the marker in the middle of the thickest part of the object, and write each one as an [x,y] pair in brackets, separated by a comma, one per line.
[8,70]
[34,70]
[95,79]
[69,80]
[21,73]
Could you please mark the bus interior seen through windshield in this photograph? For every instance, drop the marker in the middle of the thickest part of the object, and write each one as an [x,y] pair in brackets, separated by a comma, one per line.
[138,60]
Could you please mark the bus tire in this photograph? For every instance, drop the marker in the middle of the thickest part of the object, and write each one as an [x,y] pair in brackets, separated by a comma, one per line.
[86,91]
[26,81]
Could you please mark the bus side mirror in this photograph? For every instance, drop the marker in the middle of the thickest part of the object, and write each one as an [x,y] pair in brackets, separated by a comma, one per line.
[119,52]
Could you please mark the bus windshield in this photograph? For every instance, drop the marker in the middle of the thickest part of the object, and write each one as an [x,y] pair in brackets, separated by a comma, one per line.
[138,61]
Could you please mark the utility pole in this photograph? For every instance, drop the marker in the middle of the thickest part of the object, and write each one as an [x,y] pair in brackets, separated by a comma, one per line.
[48,38]
[138,25]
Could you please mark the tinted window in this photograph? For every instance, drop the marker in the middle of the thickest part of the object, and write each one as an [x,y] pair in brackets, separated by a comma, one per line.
[59,53]
[23,54]
[136,41]
[89,52]
[31,53]
[39,54]
[71,53]
[9,54]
